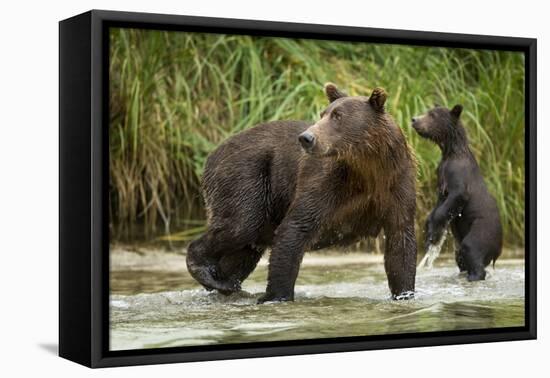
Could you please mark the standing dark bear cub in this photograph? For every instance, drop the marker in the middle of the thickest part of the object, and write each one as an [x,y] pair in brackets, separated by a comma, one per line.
[296,186]
[463,199]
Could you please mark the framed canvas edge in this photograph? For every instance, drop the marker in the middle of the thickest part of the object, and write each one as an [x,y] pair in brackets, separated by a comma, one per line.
[99,248]
[75,275]
[311,348]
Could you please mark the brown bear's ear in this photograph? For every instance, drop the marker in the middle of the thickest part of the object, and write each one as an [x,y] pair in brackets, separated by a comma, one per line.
[456,111]
[333,93]
[378,98]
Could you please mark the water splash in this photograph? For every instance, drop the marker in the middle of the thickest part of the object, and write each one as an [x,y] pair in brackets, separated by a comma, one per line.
[432,253]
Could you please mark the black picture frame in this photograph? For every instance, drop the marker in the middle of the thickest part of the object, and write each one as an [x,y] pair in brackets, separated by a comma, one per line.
[83,182]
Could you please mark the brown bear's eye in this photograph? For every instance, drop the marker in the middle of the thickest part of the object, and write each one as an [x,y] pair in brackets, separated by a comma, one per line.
[336,115]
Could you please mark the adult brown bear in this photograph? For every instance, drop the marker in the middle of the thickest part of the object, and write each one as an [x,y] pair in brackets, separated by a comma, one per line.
[296,186]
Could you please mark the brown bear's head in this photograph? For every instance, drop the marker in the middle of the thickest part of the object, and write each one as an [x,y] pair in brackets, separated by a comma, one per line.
[349,124]
[440,125]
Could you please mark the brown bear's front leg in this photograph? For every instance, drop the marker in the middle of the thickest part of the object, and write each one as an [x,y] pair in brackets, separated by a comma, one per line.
[400,260]
[286,255]
[448,207]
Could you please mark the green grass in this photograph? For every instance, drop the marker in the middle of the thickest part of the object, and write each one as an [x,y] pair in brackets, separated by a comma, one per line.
[175,96]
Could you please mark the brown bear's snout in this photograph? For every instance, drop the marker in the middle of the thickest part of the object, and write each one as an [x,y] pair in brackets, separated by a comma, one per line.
[307,140]
[416,123]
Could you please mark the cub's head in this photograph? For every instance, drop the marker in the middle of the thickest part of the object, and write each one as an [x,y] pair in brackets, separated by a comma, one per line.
[439,124]
[348,124]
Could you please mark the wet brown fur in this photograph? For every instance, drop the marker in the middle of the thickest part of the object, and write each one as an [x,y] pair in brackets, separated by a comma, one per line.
[262,189]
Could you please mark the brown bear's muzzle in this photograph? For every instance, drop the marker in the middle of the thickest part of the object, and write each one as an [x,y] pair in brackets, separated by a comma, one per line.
[417,125]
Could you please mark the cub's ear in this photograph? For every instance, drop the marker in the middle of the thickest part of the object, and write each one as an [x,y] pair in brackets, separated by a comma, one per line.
[333,93]
[456,111]
[378,98]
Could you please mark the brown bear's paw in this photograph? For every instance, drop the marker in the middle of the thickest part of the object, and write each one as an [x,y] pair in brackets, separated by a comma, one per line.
[404,296]
[209,278]
[271,297]
[227,288]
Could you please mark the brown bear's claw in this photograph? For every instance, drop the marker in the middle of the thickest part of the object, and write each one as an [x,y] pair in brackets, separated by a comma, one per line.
[406,295]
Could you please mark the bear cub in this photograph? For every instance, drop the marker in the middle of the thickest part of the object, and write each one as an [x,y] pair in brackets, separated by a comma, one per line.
[296,186]
[463,202]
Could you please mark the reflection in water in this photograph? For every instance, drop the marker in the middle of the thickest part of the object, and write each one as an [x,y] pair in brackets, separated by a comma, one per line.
[335,296]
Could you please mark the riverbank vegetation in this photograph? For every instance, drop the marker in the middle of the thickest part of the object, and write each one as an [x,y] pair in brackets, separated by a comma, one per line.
[175,96]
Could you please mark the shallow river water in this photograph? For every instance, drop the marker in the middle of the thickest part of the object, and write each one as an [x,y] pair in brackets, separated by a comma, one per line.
[336,295]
